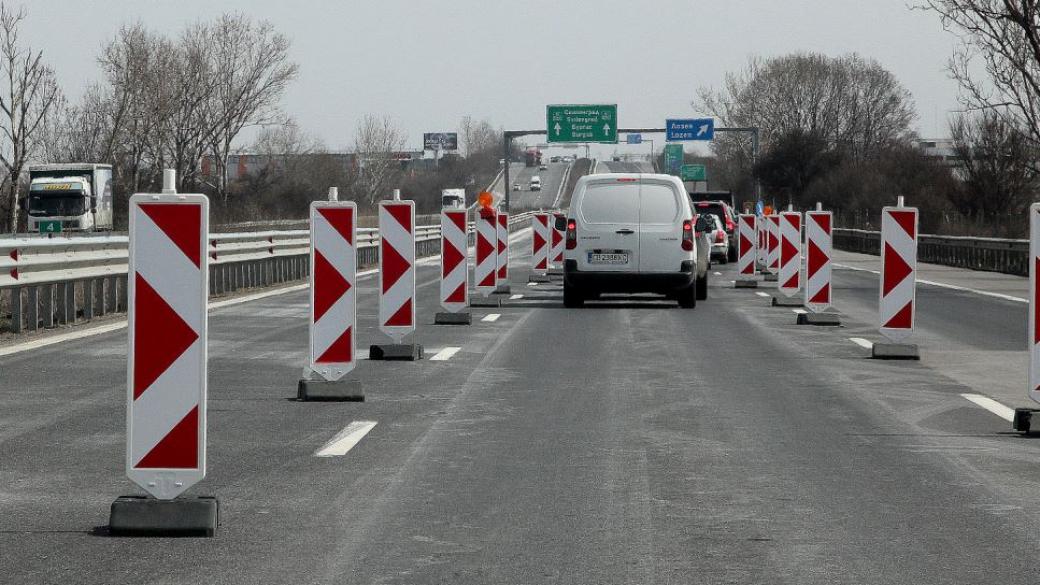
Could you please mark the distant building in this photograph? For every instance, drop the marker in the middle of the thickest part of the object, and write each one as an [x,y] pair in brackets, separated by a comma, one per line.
[942,150]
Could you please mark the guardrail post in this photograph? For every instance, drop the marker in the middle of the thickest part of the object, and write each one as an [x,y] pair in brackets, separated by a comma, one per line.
[32,299]
[48,306]
[16,310]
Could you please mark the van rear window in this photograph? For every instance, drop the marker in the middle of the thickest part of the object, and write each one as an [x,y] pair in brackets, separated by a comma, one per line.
[611,203]
[659,204]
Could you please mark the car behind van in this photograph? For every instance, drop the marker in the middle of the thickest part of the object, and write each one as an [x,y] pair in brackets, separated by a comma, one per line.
[536,183]
[633,233]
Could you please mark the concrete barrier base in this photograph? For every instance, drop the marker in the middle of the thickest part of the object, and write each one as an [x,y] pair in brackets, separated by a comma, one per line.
[895,351]
[503,289]
[770,277]
[408,352]
[453,319]
[325,391]
[147,516]
[1023,421]
[488,302]
[745,283]
[819,319]
[782,301]
[538,278]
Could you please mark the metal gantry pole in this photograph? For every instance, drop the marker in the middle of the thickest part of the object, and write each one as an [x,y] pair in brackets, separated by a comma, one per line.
[506,140]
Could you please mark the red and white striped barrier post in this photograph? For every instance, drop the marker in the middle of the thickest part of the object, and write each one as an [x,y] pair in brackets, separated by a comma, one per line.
[556,252]
[789,281]
[818,251]
[168,286]
[454,268]
[396,280]
[485,274]
[762,245]
[772,246]
[502,256]
[333,292]
[1034,302]
[540,247]
[746,254]
[898,289]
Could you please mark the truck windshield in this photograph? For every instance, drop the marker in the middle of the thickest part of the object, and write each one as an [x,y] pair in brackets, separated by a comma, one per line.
[66,204]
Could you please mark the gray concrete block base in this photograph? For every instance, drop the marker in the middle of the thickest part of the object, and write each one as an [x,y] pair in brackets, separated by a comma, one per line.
[745,283]
[819,319]
[538,278]
[325,391]
[408,352]
[503,289]
[147,516]
[487,303]
[453,319]
[769,277]
[895,351]
[1023,421]
[782,301]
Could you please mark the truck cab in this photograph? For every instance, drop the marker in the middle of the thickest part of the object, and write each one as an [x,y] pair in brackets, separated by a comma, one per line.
[77,195]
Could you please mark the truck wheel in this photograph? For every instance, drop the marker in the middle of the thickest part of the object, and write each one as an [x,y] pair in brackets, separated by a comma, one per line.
[702,288]
[572,298]
[688,297]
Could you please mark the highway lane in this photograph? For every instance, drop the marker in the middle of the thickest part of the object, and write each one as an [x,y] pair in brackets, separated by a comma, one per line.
[609,166]
[628,442]
[525,199]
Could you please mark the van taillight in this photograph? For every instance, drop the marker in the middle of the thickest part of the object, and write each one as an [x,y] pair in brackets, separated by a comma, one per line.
[572,234]
[687,235]
[720,237]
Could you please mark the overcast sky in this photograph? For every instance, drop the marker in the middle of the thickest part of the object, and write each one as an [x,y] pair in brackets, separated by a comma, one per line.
[427,64]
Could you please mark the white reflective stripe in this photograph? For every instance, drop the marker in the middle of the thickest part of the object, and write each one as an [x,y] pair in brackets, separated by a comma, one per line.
[445,354]
[346,439]
[991,405]
[491,318]
[862,342]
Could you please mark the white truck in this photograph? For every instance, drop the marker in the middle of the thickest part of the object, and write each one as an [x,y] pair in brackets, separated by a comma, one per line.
[453,198]
[77,195]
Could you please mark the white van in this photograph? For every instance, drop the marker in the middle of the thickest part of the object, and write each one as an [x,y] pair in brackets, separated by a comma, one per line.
[536,183]
[633,233]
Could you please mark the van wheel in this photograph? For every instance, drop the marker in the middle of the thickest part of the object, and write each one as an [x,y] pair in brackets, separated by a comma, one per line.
[688,297]
[702,288]
[572,298]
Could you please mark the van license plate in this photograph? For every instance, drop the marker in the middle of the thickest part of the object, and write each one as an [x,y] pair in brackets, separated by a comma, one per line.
[608,258]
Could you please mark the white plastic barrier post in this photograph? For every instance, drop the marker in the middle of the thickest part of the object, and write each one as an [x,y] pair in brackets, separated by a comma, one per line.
[790,278]
[898,272]
[333,321]
[485,275]
[762,245]
[168,295]
[1034,302]
[502,256]
[746,236]
[773,244]
[397,268]
[454,261]
[819,246]
[540,244]
[558,236]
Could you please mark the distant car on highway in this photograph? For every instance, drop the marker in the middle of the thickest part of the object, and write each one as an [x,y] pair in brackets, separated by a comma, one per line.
[718,239]
[633,233]
[516,186]
[543,167]
[728,217]
[554,159]
[536,183]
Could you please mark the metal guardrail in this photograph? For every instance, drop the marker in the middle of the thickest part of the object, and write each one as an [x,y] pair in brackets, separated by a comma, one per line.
[985,254]
[60,281]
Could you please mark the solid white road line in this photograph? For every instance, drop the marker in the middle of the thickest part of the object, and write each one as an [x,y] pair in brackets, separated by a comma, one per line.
[991,405]
[799,311]
[944,285]
[346,439]
[862,342]
[718,274]
[445,354]
[491,318]
[532,284]
[762,294]
[516,297]
[86,332]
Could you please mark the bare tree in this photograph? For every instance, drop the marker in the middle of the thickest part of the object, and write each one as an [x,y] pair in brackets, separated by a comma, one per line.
[479,137]
[251,69]
[1004,37]
[375,142]
[28,94]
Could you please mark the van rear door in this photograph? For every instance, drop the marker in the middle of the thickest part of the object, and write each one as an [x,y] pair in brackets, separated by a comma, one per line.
[660,227]
[608,226]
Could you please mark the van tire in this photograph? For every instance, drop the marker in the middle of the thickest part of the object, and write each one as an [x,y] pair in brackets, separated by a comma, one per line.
[688,297]
[572,298]
[702,288]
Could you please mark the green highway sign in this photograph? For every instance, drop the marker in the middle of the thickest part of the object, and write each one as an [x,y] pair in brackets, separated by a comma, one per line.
[693,173]
[50,226]
[582,123]
[673,157]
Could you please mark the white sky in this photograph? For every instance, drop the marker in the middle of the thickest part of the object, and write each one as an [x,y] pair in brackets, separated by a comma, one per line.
[427,64]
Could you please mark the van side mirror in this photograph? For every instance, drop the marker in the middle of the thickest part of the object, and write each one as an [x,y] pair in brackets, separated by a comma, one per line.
[701,225]
[560,224]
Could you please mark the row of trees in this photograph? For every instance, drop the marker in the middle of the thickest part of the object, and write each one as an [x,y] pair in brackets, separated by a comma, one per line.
[838,130]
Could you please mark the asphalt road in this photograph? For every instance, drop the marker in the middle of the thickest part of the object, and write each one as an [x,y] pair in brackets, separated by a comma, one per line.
[525,199]
[609,166]
[627,442]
